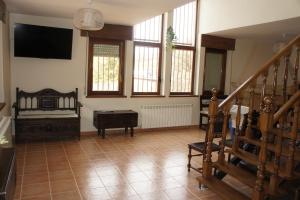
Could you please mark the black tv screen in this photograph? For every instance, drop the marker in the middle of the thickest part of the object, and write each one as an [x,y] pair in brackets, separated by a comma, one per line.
[42,42]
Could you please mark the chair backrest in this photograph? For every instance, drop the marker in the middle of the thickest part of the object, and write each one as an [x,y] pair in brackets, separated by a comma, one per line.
[205,99]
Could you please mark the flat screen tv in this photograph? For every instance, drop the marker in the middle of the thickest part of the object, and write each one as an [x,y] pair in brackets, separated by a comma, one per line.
[42,42]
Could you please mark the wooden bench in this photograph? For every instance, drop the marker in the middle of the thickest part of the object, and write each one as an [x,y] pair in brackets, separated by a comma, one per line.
[46,114]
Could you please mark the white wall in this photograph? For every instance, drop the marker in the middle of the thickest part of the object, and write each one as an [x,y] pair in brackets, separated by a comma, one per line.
[33,74]
[217,15]
[248,57]
[64,75]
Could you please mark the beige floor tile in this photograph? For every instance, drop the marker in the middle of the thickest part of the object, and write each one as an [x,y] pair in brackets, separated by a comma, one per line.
[63,186]
[29,179]
[40,189]
[61,175]
[73,195]
[152,165]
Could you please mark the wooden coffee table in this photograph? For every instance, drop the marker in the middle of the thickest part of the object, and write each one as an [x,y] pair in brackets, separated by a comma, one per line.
[115,119]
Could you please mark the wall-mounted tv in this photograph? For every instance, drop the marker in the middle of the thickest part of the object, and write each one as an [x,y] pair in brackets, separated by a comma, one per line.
[42,42]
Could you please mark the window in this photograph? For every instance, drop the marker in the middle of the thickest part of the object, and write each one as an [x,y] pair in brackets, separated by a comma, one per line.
[214,70]
[106,64]
[183,53]
[147,57]
[182,70]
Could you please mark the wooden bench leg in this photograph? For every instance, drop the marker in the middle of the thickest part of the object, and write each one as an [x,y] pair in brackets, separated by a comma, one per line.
[229,157]
[103,133]
[189,159]
[200,122]
[297,194]
[131,131]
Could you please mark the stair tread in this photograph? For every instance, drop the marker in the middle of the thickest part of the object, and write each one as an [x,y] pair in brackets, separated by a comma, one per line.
[249,140]
[282,172]
[272,147]
[286,134]
[253,159]
[240,174]
[246,156]
[222,189]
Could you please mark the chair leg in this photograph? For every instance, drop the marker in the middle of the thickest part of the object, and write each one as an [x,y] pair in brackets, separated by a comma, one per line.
[200,122]
[297,194]
[229,157]
[189,159]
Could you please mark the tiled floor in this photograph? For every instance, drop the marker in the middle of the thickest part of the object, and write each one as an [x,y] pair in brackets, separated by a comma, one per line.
[151,165]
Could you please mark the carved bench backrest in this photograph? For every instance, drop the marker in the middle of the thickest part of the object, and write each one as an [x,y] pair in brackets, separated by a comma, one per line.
[46,99]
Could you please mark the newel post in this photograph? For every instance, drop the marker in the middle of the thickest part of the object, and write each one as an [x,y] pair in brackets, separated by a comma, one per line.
[212,112]
[265,125]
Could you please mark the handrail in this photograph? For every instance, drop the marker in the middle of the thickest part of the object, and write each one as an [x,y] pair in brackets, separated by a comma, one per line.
[283,109]
[276,57]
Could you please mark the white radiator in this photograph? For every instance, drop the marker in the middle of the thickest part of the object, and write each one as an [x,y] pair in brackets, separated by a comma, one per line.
[155,116]
[6,131]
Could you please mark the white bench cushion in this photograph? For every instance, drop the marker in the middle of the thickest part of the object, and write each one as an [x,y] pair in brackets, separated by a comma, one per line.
[204,112]
[37,114]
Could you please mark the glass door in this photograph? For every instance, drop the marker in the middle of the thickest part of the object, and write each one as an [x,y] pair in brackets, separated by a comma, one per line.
[214,70]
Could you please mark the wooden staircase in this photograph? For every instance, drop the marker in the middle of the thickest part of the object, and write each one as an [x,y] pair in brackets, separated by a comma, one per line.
[276,154]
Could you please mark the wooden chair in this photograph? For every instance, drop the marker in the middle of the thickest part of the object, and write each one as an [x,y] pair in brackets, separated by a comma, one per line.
[204,103]
[200,147]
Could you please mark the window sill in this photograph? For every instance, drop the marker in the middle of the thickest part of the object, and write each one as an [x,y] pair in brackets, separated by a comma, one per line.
[177,95]
[147,96]
[106,96]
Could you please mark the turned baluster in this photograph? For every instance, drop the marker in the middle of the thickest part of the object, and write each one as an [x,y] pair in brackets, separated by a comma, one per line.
[221,157]
[212,111]
[285,79]
[265,125]
[275,71]
[263,90]
[235,145]
[274,88]
[292,141]
[250,113]
[296,68]
[274,179]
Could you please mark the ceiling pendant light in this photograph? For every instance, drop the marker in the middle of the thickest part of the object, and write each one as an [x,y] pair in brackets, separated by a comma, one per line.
[88,19]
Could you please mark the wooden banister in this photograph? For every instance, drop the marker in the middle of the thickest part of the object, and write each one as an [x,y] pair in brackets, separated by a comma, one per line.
[280,165]
[289,104]
[285,51]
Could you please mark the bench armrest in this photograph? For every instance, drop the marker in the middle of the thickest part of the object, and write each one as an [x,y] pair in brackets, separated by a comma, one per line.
[79,104]
[15,105]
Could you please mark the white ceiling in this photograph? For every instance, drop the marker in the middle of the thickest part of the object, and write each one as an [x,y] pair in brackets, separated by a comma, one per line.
[272,31]
[126,12]
[130,12]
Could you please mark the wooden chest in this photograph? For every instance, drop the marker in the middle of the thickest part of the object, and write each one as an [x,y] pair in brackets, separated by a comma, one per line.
[115,119]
